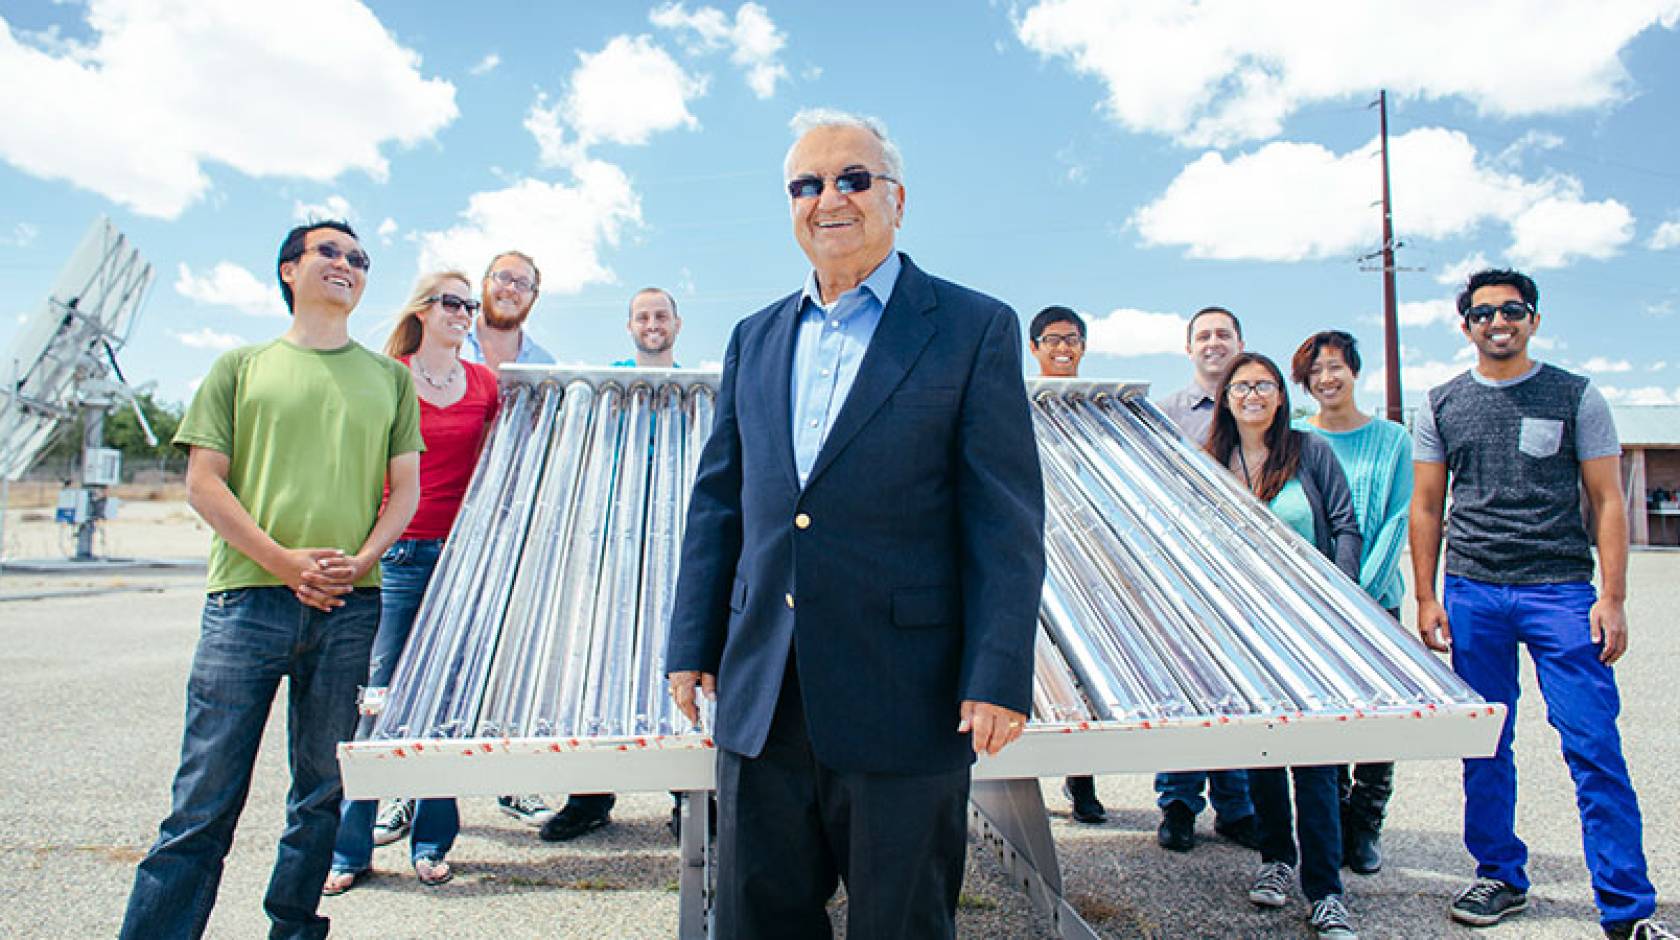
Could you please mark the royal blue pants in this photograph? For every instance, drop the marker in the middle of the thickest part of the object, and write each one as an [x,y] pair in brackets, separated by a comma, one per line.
[1488,621]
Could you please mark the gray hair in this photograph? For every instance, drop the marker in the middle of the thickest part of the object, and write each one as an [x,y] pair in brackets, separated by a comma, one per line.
[811,119]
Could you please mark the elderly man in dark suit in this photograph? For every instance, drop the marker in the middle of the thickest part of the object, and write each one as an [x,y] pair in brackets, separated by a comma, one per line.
[862,566]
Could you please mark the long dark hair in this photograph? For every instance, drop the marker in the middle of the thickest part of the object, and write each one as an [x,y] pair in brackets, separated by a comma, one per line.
[1283,443]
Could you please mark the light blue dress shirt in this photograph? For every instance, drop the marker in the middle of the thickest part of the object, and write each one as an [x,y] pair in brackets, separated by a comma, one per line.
[827,351]
[529,352]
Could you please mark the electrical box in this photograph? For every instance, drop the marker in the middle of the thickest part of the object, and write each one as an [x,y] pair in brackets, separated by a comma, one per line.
[101,466]
[73,507]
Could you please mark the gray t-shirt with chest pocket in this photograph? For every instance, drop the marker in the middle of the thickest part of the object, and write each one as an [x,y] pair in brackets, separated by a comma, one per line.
[1513,451]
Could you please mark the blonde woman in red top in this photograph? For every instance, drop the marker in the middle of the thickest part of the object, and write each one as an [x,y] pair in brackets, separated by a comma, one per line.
[457,403]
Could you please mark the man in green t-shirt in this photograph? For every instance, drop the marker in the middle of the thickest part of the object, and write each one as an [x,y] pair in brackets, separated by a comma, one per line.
[292,443]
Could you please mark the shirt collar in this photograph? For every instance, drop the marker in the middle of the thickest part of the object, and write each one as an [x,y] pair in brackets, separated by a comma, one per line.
[879,283]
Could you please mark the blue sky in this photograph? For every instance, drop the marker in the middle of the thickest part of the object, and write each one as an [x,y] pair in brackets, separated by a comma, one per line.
[1134,160]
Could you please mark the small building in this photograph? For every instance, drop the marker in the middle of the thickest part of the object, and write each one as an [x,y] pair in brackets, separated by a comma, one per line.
[1650,437]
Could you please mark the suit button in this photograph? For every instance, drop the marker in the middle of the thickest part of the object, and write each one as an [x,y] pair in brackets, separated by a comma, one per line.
[802,521]
[789,599]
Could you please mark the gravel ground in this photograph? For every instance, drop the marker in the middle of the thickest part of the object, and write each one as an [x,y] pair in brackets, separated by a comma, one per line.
[93,741]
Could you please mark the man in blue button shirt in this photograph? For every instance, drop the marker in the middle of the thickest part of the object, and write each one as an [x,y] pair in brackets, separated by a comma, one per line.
[861,566]
[511,285]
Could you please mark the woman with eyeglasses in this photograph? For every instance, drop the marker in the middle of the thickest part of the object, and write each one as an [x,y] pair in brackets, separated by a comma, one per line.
[1376,455]
[1296,474]
[458,400]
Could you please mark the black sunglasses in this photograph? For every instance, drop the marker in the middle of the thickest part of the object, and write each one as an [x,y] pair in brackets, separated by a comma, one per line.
[453,303]
[355,257]
[851,181]
[1511,310]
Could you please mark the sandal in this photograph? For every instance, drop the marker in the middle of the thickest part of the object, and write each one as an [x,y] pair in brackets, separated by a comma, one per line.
[432,871]
[340,881]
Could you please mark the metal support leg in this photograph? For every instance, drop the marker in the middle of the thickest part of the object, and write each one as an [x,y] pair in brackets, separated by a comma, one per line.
[694,886]
[1008,817]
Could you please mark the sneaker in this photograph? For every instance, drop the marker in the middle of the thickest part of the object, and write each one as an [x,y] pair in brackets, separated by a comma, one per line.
[393,822]
[1271,886]
[1178,828]
[1362,850]
[528,809]
[1487,902]
[1082,793]
[1648,929]
[575,820]
[1244,832]
[1330,918]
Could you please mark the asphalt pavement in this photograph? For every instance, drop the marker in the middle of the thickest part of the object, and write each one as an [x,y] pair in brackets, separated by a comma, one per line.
[91,695]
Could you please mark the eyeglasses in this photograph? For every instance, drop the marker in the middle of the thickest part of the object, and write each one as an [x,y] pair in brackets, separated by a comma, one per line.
[1241,390]
[452,303]
[1511,310]
[355,257]
[1054,340]
[515,281]
[851,181]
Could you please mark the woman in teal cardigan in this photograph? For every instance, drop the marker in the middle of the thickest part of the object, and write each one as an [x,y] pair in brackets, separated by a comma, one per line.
[1376,455]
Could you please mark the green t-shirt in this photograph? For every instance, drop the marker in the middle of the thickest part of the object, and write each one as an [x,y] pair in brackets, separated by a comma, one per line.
[309,434]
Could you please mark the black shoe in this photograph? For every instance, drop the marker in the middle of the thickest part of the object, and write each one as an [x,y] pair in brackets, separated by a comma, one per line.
[1082,793]
[573,821]
[1178,828]
[1244,832]
[1487,902]
[1648,929]
[1362,850]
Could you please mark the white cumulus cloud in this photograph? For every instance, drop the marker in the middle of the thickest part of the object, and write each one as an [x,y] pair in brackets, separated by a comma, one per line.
[1557,230]
[1600,364]
[624,94]
[1666,236]
[753,41]
[1222,73]
[230,285]
[1425,312]
[332,207]
[1416,376]
[23,235]
[207,338]
[387,230]
[1290,201]
[486,64]
[164,88]
[1125,331]
[1642,395]
[1457,273]
[564,227]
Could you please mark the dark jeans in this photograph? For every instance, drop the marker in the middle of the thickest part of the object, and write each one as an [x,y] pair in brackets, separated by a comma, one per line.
[250,639]
[1226,789]
[405,569]
[790,829]
[1489,622]
[1316,823]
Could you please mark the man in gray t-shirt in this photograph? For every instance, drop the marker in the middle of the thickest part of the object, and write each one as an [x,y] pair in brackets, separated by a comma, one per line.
[1517,441]
[1212,338]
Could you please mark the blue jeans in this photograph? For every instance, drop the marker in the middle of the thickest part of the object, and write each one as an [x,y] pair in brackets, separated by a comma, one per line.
[1226,789]
[250,639]
[1488,621]
[405,569]
[1315,824]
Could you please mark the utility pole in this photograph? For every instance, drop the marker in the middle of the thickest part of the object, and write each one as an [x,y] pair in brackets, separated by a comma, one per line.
[1391,315]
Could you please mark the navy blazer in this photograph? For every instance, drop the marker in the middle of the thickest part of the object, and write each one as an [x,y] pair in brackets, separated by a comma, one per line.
[906,574]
